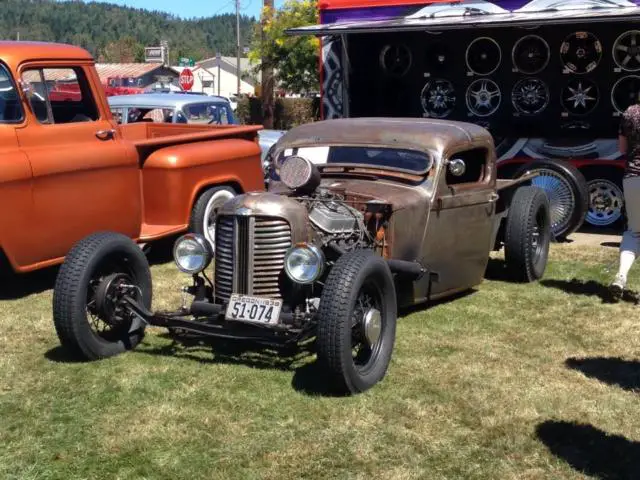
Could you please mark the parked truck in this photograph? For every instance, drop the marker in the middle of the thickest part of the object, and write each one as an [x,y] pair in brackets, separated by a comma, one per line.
[67,169]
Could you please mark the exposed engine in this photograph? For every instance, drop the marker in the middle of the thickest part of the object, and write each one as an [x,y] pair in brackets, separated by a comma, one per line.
[347,224]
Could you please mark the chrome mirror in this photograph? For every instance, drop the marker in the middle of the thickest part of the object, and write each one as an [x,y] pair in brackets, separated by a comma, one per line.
[457,167]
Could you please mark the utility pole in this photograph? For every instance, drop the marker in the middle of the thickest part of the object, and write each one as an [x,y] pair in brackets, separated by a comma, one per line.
[267,72]
[238,43]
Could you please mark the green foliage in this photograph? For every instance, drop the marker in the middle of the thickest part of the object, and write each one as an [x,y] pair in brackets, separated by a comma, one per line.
[295,59]
[119,34]
[288,112]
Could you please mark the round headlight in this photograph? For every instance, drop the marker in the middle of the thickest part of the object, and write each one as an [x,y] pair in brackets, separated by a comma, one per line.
[304,263]
[192,253]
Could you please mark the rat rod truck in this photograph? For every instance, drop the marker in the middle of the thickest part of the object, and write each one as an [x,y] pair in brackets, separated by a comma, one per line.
[365,216]
[67,169]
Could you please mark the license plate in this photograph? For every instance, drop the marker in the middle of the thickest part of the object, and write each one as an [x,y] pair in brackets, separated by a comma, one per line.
[253,309]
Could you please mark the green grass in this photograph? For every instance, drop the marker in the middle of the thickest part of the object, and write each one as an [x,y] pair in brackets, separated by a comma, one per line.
[479,388]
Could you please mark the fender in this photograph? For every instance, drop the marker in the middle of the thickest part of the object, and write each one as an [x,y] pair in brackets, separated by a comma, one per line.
[174,176]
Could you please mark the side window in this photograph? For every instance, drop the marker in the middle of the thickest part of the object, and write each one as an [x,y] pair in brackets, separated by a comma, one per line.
[475,161]
[10,108]
[60,95]
[117,114]
[158,115]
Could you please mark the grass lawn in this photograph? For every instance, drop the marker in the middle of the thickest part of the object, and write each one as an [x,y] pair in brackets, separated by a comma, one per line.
[510,381]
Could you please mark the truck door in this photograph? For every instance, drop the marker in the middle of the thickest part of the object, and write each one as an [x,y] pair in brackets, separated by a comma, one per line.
[16,239]
[85,179]
[459,230]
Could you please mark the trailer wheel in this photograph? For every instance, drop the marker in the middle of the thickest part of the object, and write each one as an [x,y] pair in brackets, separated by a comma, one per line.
[606,198]
[527,234]
[357,321]
[87,298]
[567,191]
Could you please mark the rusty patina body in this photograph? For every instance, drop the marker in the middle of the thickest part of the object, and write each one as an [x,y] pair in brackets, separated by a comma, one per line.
[65,180]
[430,221]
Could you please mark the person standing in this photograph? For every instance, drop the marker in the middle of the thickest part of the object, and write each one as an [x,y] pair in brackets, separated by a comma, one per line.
[629,145]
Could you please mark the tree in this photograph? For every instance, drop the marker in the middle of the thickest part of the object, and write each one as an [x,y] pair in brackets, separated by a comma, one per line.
[294,59]
[125,50]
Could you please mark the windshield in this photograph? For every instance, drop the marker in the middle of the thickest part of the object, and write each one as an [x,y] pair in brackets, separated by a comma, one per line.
[380,157]
[218,113]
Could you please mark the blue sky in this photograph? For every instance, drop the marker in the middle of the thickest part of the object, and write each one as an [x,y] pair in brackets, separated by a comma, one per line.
[195,8]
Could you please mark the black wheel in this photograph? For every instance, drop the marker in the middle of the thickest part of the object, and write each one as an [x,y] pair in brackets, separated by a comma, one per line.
[357,321]
[88,311]
[203,214]
[567,191]
[527,234]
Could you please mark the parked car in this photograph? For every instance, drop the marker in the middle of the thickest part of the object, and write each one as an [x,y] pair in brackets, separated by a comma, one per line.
[180,108]
[67,169]
[401,211]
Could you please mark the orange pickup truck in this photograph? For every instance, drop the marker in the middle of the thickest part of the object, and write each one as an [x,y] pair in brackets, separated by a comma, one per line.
[67,169]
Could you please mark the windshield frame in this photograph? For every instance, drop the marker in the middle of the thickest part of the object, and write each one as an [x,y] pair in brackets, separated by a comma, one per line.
[429,156]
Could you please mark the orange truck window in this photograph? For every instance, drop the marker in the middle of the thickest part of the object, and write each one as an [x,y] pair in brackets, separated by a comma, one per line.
[60,95]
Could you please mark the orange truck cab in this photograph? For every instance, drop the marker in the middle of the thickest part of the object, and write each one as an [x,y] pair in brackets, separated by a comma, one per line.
[67,169]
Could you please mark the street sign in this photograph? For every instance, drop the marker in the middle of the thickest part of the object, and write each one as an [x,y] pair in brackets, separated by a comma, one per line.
[186,62]
[186,79]
[154,55]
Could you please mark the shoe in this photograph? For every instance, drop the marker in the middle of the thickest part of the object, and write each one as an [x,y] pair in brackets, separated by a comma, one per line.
[617,287]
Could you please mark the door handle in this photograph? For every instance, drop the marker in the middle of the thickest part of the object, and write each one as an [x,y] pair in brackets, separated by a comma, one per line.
[105,134]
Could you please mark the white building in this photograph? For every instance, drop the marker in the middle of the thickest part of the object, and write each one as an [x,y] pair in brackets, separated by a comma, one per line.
[215,77]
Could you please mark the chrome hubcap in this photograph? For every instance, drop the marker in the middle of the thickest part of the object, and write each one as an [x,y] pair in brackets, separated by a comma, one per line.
[561,197]
[372,326]
[605,203]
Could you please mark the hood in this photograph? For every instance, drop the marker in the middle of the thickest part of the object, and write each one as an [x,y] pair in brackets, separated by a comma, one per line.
[265,204]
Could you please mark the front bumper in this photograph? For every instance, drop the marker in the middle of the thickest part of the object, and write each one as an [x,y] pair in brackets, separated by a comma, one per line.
[208,319]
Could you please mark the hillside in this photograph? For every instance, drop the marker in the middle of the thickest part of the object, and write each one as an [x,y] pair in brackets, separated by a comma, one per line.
[113,33]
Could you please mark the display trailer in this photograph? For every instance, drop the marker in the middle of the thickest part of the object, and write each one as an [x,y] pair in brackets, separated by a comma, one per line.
[548,78]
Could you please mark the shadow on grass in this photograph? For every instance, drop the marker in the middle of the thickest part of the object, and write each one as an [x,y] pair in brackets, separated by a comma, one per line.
[592,451]
[308,377]
[59,354]
[16,286]
[589,288]
[612,371]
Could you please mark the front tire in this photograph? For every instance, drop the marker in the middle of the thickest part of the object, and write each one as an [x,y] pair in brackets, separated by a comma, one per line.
[357,321]
[527,234]
[204,212]
[87,308]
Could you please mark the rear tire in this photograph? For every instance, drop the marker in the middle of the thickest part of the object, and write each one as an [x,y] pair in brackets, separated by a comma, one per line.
[204,212]
[567,191]
[82,302]
[357,321]
[527,234]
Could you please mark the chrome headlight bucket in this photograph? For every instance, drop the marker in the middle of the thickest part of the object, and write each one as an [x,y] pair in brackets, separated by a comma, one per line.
[192,253]
[304,263]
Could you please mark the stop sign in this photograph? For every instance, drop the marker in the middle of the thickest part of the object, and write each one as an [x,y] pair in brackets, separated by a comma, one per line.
[186,79]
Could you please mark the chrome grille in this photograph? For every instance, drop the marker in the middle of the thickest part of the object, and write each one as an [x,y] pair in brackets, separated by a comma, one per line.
[250,255]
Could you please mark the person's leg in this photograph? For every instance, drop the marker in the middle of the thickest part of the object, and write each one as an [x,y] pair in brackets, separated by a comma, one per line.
[629,246]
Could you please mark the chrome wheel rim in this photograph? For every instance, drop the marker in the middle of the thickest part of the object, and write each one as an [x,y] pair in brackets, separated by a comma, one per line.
[211,212]
[606,200]
[367,328]
[561,197]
